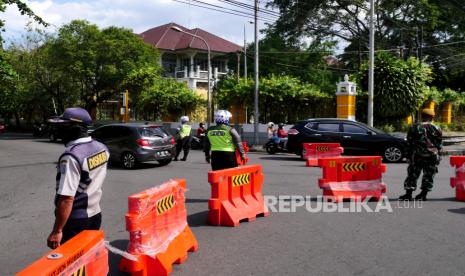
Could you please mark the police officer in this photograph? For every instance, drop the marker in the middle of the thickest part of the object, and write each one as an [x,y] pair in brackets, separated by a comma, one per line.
[184,138]
[223,141]
[424,146]
[81,171]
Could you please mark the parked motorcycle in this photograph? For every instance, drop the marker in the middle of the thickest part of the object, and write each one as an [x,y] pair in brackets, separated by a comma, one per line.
[39,130]
[275,145]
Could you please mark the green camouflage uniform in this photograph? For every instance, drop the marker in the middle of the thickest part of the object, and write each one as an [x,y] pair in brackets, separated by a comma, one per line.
[424,145]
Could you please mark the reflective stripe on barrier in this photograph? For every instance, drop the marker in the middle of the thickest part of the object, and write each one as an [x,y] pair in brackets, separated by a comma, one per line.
[313,151]
[85,254]
[352,177]
[458,182]
[158,232]
[236,195]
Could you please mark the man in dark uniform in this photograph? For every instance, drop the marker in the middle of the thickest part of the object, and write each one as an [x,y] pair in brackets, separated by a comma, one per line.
[81,171]
[424,146]
[222,140]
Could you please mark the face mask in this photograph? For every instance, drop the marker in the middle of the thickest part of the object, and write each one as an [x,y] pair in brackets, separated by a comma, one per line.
[74,132]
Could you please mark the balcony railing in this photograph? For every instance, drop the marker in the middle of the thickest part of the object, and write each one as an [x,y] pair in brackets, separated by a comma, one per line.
[198,74]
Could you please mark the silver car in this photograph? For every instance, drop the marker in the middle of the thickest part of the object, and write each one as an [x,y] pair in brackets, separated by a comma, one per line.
[131,144]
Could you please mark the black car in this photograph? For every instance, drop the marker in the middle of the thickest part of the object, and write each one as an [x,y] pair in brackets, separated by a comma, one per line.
[131,144]
[356,138]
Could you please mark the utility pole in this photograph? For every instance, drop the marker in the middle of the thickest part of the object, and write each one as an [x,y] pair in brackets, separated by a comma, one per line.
[256,112]
[371,64]
[245,55]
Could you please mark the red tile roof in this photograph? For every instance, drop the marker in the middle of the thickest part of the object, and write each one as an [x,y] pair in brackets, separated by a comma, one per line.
[163,37]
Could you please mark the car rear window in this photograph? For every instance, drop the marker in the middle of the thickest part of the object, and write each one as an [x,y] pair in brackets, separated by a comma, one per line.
[153,132]
[311,125]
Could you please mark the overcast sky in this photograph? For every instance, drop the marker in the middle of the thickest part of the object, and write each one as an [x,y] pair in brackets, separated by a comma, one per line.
[138,15]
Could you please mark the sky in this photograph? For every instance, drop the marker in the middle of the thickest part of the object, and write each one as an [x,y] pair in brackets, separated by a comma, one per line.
[138,15]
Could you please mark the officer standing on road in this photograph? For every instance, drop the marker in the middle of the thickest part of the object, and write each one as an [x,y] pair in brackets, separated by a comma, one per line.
[81,171]
[222,140]
[184,138]
[424,146]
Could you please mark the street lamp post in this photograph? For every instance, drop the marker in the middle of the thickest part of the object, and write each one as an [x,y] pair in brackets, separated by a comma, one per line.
[209,69]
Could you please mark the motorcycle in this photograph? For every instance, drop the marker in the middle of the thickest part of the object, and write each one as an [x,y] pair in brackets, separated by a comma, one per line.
[275,145]
[196,143]
[39,130]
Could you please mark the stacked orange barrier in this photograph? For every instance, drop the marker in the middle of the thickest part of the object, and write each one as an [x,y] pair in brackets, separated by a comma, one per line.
[313,151]
[458,182]
[236,195]
[238,155]
[352,177]
[85,254]
[158,232]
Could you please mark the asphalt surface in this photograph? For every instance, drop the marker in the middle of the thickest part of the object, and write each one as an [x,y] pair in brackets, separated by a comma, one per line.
[408,241]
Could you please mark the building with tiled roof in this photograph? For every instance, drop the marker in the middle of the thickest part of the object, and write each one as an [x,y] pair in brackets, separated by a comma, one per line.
[184,57]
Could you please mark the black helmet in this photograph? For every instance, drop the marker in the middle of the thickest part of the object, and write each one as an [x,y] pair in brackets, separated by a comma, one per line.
[280,125]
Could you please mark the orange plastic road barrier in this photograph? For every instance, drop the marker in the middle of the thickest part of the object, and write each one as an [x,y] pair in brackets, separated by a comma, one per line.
[238,155]
[313,151]
[236,195]
[85,254]
[158,232]
[458,182]
[352,177]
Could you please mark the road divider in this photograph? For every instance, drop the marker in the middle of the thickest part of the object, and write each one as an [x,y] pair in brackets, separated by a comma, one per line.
[352,177]
[313,151]
[85,254]
[458,182]
[158,231]
[236,195]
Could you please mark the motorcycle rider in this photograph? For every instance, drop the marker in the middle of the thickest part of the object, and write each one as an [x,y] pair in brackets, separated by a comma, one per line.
[282,135]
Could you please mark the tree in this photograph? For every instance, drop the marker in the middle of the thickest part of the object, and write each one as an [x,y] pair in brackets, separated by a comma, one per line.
[400,86]
[282,98]
[167,96]
[99,61]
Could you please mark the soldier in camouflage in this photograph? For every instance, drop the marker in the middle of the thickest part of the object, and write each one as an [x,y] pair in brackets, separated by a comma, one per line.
[424,146]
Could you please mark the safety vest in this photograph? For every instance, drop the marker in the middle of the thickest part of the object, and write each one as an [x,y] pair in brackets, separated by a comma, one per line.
[220,138]
[185,131]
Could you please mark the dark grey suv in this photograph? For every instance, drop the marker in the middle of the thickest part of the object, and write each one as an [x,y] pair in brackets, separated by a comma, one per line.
[131,144]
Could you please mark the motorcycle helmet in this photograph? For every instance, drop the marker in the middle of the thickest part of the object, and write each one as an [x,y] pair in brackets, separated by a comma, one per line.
[222,117]
[270,125]
[184,119]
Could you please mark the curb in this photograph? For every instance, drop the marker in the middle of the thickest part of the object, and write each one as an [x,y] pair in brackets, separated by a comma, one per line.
[453,152]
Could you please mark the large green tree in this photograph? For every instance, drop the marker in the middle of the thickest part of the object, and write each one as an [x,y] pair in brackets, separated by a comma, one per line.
[400,87]
[99,61]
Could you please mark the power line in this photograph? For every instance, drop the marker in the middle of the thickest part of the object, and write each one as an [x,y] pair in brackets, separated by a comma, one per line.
[223,10]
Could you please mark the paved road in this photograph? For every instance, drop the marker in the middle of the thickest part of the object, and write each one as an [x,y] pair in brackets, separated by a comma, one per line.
[426,240]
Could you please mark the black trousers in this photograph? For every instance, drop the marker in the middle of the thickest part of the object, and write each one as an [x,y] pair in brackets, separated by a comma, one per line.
[223,160]
[183,144]
[76,226]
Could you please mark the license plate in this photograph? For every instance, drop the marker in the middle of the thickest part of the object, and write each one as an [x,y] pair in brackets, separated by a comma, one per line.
[163,153]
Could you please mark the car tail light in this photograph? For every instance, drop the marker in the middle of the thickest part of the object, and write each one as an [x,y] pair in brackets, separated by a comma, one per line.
[172,141]
[293,131]
[143,143]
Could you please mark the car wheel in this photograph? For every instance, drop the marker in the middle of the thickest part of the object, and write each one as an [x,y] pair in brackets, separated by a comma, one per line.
[164,162]
[392,154]
[128,160]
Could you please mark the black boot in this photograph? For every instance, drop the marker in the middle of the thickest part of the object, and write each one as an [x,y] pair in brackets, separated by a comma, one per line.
[422,195]
[407,196]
